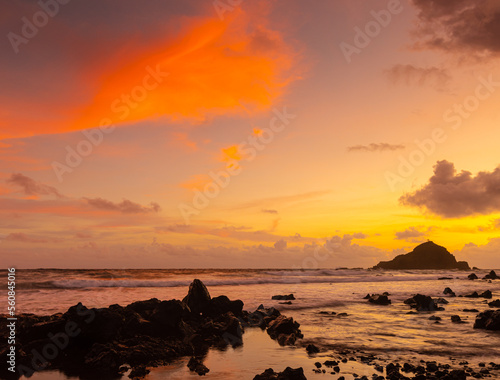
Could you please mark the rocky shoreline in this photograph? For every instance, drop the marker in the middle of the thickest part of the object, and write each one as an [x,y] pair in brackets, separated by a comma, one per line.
[150,333]
[109,342]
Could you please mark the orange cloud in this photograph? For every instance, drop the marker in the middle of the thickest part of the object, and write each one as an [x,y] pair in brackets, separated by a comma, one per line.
[212,69]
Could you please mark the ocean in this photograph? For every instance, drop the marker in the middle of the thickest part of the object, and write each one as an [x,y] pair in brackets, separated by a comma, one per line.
[386,331]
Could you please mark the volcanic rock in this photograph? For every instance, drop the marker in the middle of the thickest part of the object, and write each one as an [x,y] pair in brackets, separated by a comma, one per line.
[425,256]
[449,292]
[495,303]
[198,297]
[489,320]
[491,276]
[286,297]
[422,303]
[287,374]
[379,299]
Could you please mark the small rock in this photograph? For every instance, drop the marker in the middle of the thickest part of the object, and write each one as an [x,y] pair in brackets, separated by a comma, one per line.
[456,319]
[312,349]
[495,303]
[491,276]
[195,365]
[286,297]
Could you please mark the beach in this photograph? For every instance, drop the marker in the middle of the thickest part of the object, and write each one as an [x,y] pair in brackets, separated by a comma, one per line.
[328,304]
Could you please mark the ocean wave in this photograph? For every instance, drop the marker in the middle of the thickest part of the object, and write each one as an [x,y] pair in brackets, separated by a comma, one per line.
[157,283]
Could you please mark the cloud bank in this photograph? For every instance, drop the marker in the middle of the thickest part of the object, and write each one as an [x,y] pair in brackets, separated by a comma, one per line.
[452,195]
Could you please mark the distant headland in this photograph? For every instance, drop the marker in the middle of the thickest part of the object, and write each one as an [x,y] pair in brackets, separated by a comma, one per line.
[424,256]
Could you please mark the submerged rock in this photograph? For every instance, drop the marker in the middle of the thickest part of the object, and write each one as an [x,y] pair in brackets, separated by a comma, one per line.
[312,349]
[449,292]
[489,320]
[286,297]
[379,299]
[456,319]
[491,276]
[285,330]
[495,303]
[425,256]
[287,374]
[486,294]
[195,365]
[422,303]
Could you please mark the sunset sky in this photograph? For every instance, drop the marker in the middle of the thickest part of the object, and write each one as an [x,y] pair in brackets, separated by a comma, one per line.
[171,134]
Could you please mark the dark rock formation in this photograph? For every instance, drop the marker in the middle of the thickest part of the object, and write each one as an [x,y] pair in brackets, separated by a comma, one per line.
[472,276]
[495,303]
[195,365]
[491,276]
[456,319]
[312,349]
[138,372]
[425,256]
[379,299]
[285,330]
[485,294]
[286,297]
[287,374]
[422,303]
[198,296]
[144,333]
[489,320]
[449,292]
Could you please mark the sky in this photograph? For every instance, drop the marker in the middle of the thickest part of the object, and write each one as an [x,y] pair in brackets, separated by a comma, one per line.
[247,134]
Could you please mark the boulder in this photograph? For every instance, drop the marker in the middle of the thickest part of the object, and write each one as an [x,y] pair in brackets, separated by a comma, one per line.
[138,372]
[489,320]
[448,291]
[285,330]
[472,295]
[495,303]
[221,305]
[486,294]
[286,297]
[422,303]
[195,365]
[379,299]
[168,315]
[287,374]
[472,276]
[491,276]
[312,349]
[425,256]
[198,297]
[456,319]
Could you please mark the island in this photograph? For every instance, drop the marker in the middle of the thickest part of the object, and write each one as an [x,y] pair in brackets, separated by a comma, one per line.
[427,255]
